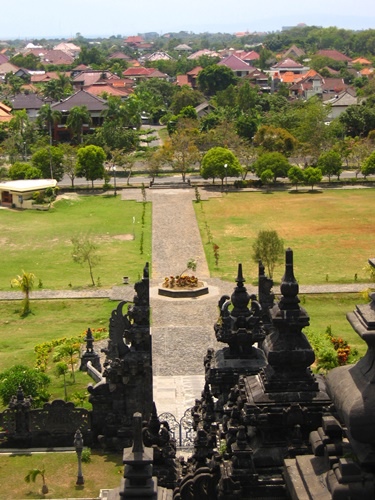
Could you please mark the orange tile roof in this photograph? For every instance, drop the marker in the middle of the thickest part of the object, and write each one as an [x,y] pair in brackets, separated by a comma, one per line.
[101,88]
[361,60]
[182,80]
[367,71]
[289,77]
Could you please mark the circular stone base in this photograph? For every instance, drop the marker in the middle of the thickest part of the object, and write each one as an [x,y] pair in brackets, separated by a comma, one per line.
[183,293]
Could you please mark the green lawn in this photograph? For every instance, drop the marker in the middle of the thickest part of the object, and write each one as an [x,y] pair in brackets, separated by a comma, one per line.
[104,471]
[331,232]
[40,242]
[330,310]
[50,319]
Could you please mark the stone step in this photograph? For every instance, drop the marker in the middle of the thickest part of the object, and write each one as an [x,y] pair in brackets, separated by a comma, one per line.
[169,185]
[305,478]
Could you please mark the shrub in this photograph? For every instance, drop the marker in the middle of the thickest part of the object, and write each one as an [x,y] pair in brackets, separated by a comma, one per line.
[33,383]
[86,455]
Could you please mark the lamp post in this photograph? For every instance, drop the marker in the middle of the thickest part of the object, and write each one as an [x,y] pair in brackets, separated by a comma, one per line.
[226,177]
[78,445]
[114,178]
[24,151]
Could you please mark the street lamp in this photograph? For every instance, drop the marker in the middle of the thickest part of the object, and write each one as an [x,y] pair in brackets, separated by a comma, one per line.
[78,445]
[226,177]
[114,178]
[24,151]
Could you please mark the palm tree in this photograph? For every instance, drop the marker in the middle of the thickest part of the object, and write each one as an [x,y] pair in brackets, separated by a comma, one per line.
[33,474]
[49,117]
[78,116]
[68,350]
[62,369]
[25,282]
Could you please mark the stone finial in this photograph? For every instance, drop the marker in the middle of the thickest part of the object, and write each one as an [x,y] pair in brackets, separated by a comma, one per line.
[289,286]
[137,427]
[240,298]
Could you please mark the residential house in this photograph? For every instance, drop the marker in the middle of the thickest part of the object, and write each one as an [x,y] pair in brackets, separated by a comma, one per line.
[94,104]
[250,57]
[5,113]
[159,56]
[203,52]
[240,68]
[119,55]
[204,109]
[257,78]
[341,102]
[19,194]
[106,88]
[51,56]
[69,48]
[183,47]
[89,77]
[3,58]
[45,76]
[290,65]
[30,102]
[133,41]
[333,54]
[5,68]
[294,52]
[324,88]
[190,78]
[138,73]
[361,60]
[366,71]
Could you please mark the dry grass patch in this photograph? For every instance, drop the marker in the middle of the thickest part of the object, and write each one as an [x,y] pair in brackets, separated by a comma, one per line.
[331,233]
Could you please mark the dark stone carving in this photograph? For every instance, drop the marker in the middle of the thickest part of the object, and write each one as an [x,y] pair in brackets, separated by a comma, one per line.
[127,384]
[353,387]
[240,327]
[90,354]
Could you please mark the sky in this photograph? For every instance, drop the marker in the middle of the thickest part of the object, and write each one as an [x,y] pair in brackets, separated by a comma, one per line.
[37,19]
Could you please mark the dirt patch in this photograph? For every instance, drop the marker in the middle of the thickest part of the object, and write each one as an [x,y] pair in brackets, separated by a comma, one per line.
[123,237]
[67,196]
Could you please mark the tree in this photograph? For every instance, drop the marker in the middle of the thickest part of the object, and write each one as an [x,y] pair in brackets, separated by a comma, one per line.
[25,282]
[275,139]
[368,166]
[214,78]
[276,162]
[358,120]
[48,117]
[19,171]
[32,382]
[269,248]
[295,175]
[312,175]
[67,350]
[33,474]
[69,161]
[220,163]
[181,151]
[267,177]
[85,252]
[185,96]
[62,369]
[90,163]
[58,88]
[50,162]
[330,164]
[77,118]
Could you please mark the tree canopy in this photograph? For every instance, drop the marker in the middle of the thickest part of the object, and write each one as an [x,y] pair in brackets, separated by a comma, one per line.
[220,163]
[90,163]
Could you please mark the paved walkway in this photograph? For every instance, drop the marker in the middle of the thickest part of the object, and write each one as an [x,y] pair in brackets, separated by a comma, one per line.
[182,329]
